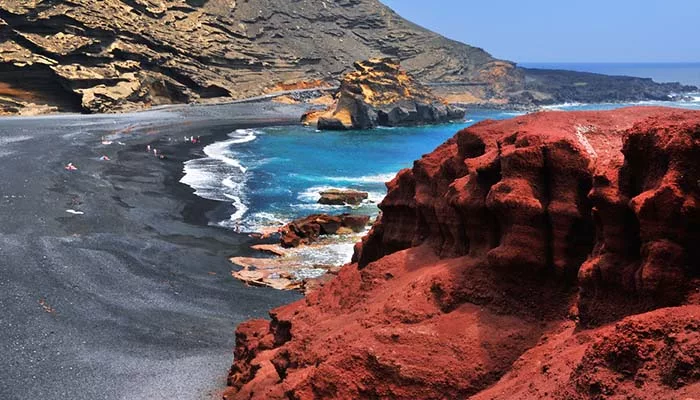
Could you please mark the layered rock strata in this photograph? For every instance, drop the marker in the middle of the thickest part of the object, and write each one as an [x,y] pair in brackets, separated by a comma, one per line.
[116,55]
[521,258]
[380,93]
[120,55]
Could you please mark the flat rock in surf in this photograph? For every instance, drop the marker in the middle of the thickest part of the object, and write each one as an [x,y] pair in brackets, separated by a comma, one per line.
[341,197]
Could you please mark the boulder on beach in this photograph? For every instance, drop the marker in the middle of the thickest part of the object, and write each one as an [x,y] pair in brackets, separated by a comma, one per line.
[380,93]
[340,197]
[307,230]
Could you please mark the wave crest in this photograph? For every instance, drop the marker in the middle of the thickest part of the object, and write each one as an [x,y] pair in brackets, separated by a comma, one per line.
[220,175]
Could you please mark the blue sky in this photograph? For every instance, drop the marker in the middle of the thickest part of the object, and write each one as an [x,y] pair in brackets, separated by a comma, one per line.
[566,30]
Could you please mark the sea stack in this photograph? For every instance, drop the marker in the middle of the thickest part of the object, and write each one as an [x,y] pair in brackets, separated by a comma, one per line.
[380,93]
[551,256]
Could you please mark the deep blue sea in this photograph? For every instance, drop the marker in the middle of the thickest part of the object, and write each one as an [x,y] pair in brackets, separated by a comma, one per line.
[272,175]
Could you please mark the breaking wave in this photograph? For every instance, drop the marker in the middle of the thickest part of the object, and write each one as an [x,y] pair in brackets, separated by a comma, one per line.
[220,175]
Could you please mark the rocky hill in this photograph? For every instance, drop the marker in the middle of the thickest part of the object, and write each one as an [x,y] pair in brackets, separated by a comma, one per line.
[117,55]
[551,256]
[120,54]
[380,93]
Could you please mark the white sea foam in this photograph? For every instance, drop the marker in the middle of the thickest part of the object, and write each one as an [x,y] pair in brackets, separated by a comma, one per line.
[379,178]
[256,222]
[311,195]
[338,253]
[559,106]
[241,208]
[221,150]
[221,176]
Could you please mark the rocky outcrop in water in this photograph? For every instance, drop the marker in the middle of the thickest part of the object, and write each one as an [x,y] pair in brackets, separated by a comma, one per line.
[379,93]
[307,230]
[548,256]
[340,197]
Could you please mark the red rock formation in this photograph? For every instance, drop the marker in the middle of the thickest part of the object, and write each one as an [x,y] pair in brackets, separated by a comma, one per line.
[506,251]
[307,230]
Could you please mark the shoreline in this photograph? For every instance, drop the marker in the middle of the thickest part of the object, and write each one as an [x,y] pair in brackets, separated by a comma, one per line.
[268,98]
[133,298]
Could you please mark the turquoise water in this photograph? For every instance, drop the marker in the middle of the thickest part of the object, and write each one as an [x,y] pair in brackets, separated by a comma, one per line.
[272,175]
[685,73]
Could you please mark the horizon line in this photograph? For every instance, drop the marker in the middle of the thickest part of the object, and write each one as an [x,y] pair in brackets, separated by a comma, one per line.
[607,62]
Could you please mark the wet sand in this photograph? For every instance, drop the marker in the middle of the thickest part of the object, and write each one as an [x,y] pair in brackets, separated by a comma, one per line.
[134,298]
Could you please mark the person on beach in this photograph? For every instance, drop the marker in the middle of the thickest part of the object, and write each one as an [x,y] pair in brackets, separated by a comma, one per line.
[155,152]
[148,148]
[71,167]
[104,158]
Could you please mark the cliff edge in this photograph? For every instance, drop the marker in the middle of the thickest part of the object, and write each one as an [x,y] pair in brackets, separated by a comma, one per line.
[549,256]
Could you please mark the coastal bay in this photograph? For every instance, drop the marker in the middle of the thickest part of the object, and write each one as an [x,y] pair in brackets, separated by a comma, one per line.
[133,298]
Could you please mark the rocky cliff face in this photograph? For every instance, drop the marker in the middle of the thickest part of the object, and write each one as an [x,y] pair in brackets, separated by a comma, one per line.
[118,55]
[380,93]
[521,258]
[115,55]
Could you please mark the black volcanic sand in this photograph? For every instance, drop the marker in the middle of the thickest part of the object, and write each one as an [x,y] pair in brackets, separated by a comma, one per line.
[134,299]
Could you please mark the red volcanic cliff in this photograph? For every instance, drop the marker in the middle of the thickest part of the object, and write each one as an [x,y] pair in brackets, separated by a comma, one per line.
[522,258]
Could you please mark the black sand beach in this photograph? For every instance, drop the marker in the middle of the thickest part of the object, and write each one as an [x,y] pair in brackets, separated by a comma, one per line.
[132,299]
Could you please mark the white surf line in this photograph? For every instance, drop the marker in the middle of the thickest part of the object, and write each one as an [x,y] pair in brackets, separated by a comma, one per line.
[218,151]
[379,178]
[210,181]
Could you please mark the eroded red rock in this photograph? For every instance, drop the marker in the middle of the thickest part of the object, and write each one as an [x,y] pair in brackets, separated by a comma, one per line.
[499,267]
[307,230]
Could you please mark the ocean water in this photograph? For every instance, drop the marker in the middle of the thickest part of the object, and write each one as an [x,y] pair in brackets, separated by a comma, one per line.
[685,73]
[272,175]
